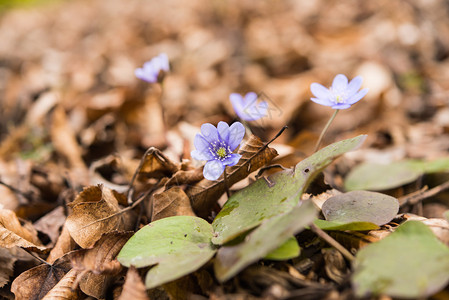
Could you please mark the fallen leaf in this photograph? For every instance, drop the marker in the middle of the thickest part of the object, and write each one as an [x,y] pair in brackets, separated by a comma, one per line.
[178,245]
[97,265]
[63,289]
[267,237]
[188,177]
[64,140]
[13,234]
[409,263]
[361,206]
[133,288]
[173,202]
[63,245]
[288,250]
[354,226]
[7,260]
[51,223]
[35,283]
[205,193]
[94,213]
[156,165]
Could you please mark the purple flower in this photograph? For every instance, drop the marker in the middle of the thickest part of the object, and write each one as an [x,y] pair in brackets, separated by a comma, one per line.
[341,95]
[248,108]
[152,69]
[216,146]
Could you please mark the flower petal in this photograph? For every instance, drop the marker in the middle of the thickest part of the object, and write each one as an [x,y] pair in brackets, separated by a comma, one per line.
[320,91]
[323,101]
[237,104]
[141,74]
[340,83]
[250,98]
[200,143]
[354,86]
[357,96]
[213,169]
[237,131]
[223,131]
[232,159]
[341,106]
[201,155]
[163,58]
[209,132]
[256,111]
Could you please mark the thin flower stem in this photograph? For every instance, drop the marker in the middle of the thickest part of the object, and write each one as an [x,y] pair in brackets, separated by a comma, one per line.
[247,128]
[317,146]
[225,183]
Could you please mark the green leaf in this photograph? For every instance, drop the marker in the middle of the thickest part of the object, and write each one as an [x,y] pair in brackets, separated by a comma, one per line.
[288,250]
[409,263]
[380,177]
[178,245]
[354,226]
[361,206]
[277,194]
[267,237]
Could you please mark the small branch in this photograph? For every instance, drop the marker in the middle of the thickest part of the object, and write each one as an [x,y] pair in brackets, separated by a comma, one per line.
[317,146]
[422,194]
[331,241]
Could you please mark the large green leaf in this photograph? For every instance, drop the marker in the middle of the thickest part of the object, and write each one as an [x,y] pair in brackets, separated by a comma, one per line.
[289,249]
[361,206]
[277,194]
[354,226]
[409,263]
[178,245]
[380,177]
[267,237]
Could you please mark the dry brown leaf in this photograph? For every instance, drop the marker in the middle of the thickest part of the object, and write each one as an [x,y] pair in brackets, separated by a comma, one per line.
[173,202]
[64,244]
[64,140]
[185,177]
[98,265]
[63,289]
[157,165]
[205,193]
[96,212]
[35,283]
[133,287]
[13,234]
[7,260]
[51,223]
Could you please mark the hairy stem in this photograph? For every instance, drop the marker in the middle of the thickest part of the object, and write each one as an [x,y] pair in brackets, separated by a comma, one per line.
[317,146]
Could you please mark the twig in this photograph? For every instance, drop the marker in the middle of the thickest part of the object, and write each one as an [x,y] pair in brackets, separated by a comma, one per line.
[37,257]
[27,195]
[331,241]
[414,198]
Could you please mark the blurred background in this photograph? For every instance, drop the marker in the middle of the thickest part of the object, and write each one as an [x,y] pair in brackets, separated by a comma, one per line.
[68,94]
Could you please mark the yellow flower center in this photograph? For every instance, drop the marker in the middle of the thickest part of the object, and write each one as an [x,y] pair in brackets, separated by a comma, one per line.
[221,152]
[338,99]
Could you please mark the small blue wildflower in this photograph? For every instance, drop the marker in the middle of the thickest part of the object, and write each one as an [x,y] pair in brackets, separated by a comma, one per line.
[247,108]
[216,146]
[341,95]
[151,69]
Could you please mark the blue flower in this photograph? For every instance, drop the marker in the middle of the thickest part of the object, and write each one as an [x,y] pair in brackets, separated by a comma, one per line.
[248,108]
[341,95]
[152,69]
[216,146]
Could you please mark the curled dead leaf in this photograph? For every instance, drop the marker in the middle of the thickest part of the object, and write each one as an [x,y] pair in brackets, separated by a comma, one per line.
[13,234]
[205,193]
[95,212]
[7,260]
[63,245]
[156,165]
[172,202]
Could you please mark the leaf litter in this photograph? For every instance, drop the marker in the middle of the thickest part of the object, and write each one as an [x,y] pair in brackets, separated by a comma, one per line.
[89,156]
